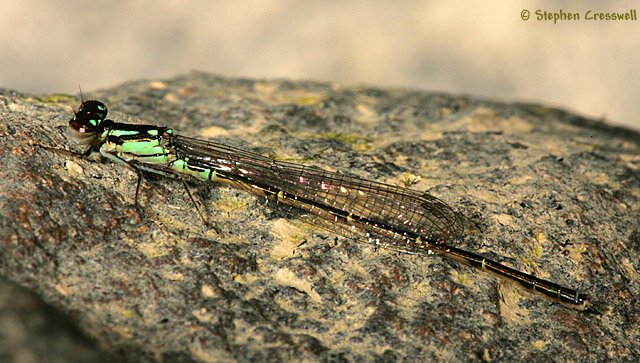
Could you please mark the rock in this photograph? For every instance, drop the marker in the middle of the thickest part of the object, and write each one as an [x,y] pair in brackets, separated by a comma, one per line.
[33,332]
[542,190]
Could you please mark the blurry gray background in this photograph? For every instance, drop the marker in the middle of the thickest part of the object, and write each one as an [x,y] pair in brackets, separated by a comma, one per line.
[479,48]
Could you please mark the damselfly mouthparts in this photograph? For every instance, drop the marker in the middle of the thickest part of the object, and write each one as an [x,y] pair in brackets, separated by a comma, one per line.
[382,214]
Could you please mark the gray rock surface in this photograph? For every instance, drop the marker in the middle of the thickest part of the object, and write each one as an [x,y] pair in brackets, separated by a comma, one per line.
[542,190]
[30,331]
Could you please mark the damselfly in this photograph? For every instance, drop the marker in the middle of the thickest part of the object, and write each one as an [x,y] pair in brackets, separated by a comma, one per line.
[382,214]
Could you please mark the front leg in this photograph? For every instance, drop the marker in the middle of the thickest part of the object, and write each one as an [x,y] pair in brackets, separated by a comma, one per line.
[82,155]
[123,161]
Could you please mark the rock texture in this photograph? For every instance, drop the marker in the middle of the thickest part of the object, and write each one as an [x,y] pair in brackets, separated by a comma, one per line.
[543,190]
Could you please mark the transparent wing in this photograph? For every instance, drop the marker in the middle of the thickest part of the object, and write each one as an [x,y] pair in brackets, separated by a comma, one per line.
[384,205]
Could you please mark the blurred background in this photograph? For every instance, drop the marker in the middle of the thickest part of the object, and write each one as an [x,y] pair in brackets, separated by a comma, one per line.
[479,48]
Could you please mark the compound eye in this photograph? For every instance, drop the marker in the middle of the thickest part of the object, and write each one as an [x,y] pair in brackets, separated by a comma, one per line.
[92,112]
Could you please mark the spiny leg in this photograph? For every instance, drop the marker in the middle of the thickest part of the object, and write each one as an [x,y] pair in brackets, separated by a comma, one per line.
[139,173]
[81,155]
[200,212]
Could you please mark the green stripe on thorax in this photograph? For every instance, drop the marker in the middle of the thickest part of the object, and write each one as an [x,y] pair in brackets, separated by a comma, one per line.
[142,143]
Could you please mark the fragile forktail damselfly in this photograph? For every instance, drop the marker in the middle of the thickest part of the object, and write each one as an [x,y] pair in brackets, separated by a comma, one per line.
[382,214]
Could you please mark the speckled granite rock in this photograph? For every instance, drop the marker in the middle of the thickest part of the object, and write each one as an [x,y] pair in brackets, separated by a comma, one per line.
[543,190]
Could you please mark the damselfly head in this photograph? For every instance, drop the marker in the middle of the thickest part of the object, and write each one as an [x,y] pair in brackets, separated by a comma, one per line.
[83,128]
